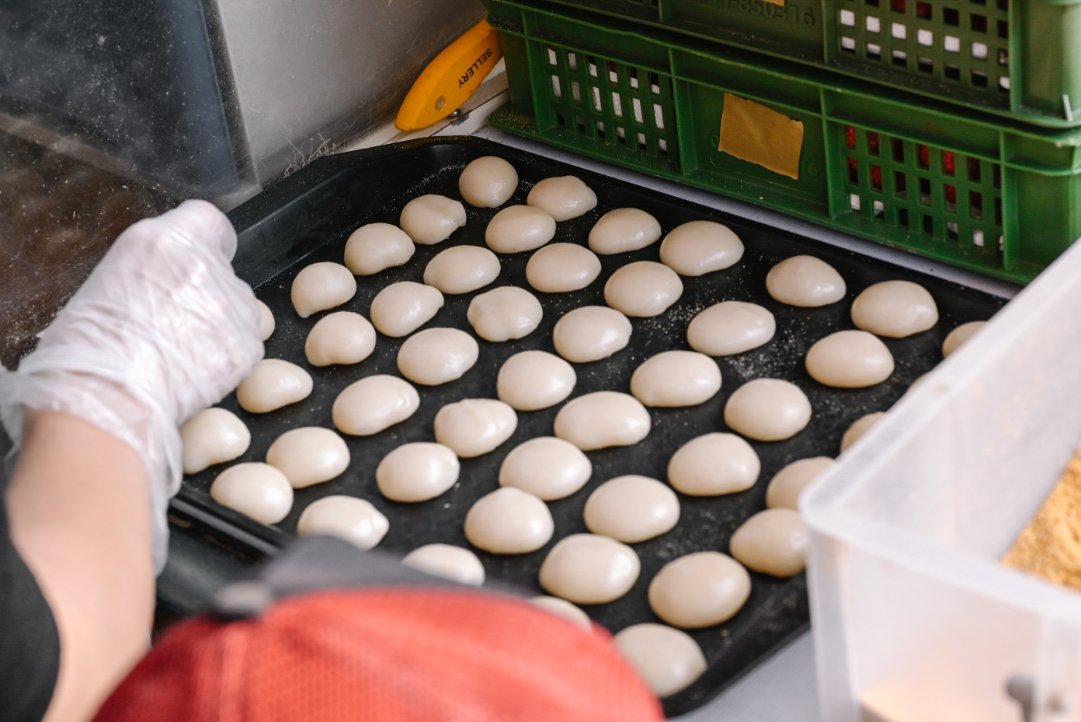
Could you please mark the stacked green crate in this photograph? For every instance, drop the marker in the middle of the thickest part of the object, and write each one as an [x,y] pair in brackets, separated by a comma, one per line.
[1017,58]
[998,197]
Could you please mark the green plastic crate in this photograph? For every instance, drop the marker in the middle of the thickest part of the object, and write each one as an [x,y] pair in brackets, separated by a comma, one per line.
[1019,58]
[1002,199]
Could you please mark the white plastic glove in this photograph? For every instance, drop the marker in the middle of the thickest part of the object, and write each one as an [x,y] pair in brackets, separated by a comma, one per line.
[161,329]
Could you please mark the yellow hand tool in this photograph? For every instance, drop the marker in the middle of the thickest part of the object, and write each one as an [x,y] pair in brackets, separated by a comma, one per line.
[450,78]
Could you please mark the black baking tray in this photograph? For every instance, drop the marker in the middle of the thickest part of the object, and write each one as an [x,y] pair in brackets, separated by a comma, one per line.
[307,218]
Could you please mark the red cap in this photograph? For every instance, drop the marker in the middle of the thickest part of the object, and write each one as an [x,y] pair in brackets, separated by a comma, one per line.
[400,654]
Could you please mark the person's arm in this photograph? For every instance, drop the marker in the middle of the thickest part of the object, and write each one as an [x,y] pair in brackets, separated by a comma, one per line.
[77,505]
[161,329]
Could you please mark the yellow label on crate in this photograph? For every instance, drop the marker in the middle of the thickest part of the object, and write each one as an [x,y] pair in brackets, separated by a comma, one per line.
[774,2]
[760,135]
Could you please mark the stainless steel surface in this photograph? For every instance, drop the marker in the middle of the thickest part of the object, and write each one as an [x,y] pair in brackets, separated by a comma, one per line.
[311,75]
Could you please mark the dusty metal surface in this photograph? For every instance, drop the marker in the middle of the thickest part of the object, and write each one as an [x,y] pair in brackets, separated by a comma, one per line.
[58,216]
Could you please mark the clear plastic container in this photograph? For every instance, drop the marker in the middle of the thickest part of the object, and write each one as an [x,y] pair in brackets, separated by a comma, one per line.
[914,618]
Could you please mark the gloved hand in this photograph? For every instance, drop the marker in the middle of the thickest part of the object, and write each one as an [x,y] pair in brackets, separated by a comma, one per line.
[161,329]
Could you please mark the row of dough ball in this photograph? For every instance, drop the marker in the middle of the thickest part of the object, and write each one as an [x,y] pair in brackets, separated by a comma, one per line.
[891,308]
[551,468]
[297,459]
[845,359]
[695,591]
[486,182]
[713,464]
[894,309]
[560,267]
[420,471]
[762,409]
[627,508]
[563,267]
[507,521]
[489,182]
[640,289]
[699,247]
[692,249]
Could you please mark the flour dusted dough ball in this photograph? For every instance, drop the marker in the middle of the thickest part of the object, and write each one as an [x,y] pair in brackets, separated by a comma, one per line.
[731,327]
[589,569]
[272,384]
[591,333]
[666,659]
[504,314]
[860,427]
[212,436]
[417,471]
[849,360]
[676,378]
[431,218]
[767,410]
[487,182]
[321,286]
[631,509]
[509,521]
[643,289]
[256,490]
[714,464]
[789,483]
[623,230]
[563,608]
[376,247]
[699,590]
[959,335]
[772,542]
[562,267]
[519,228]
[547,467]
[563,197]
[342,337]
[700,247]
[447,561]
[805,281]
[533,380]
[373,404]
[437,355]
[462,269]
[345,517]
[401,308]
[474,427]
[266,321]
[602,419]
[309,455]
[894,309]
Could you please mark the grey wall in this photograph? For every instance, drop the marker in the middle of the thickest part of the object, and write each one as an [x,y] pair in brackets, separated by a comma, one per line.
[316,72]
